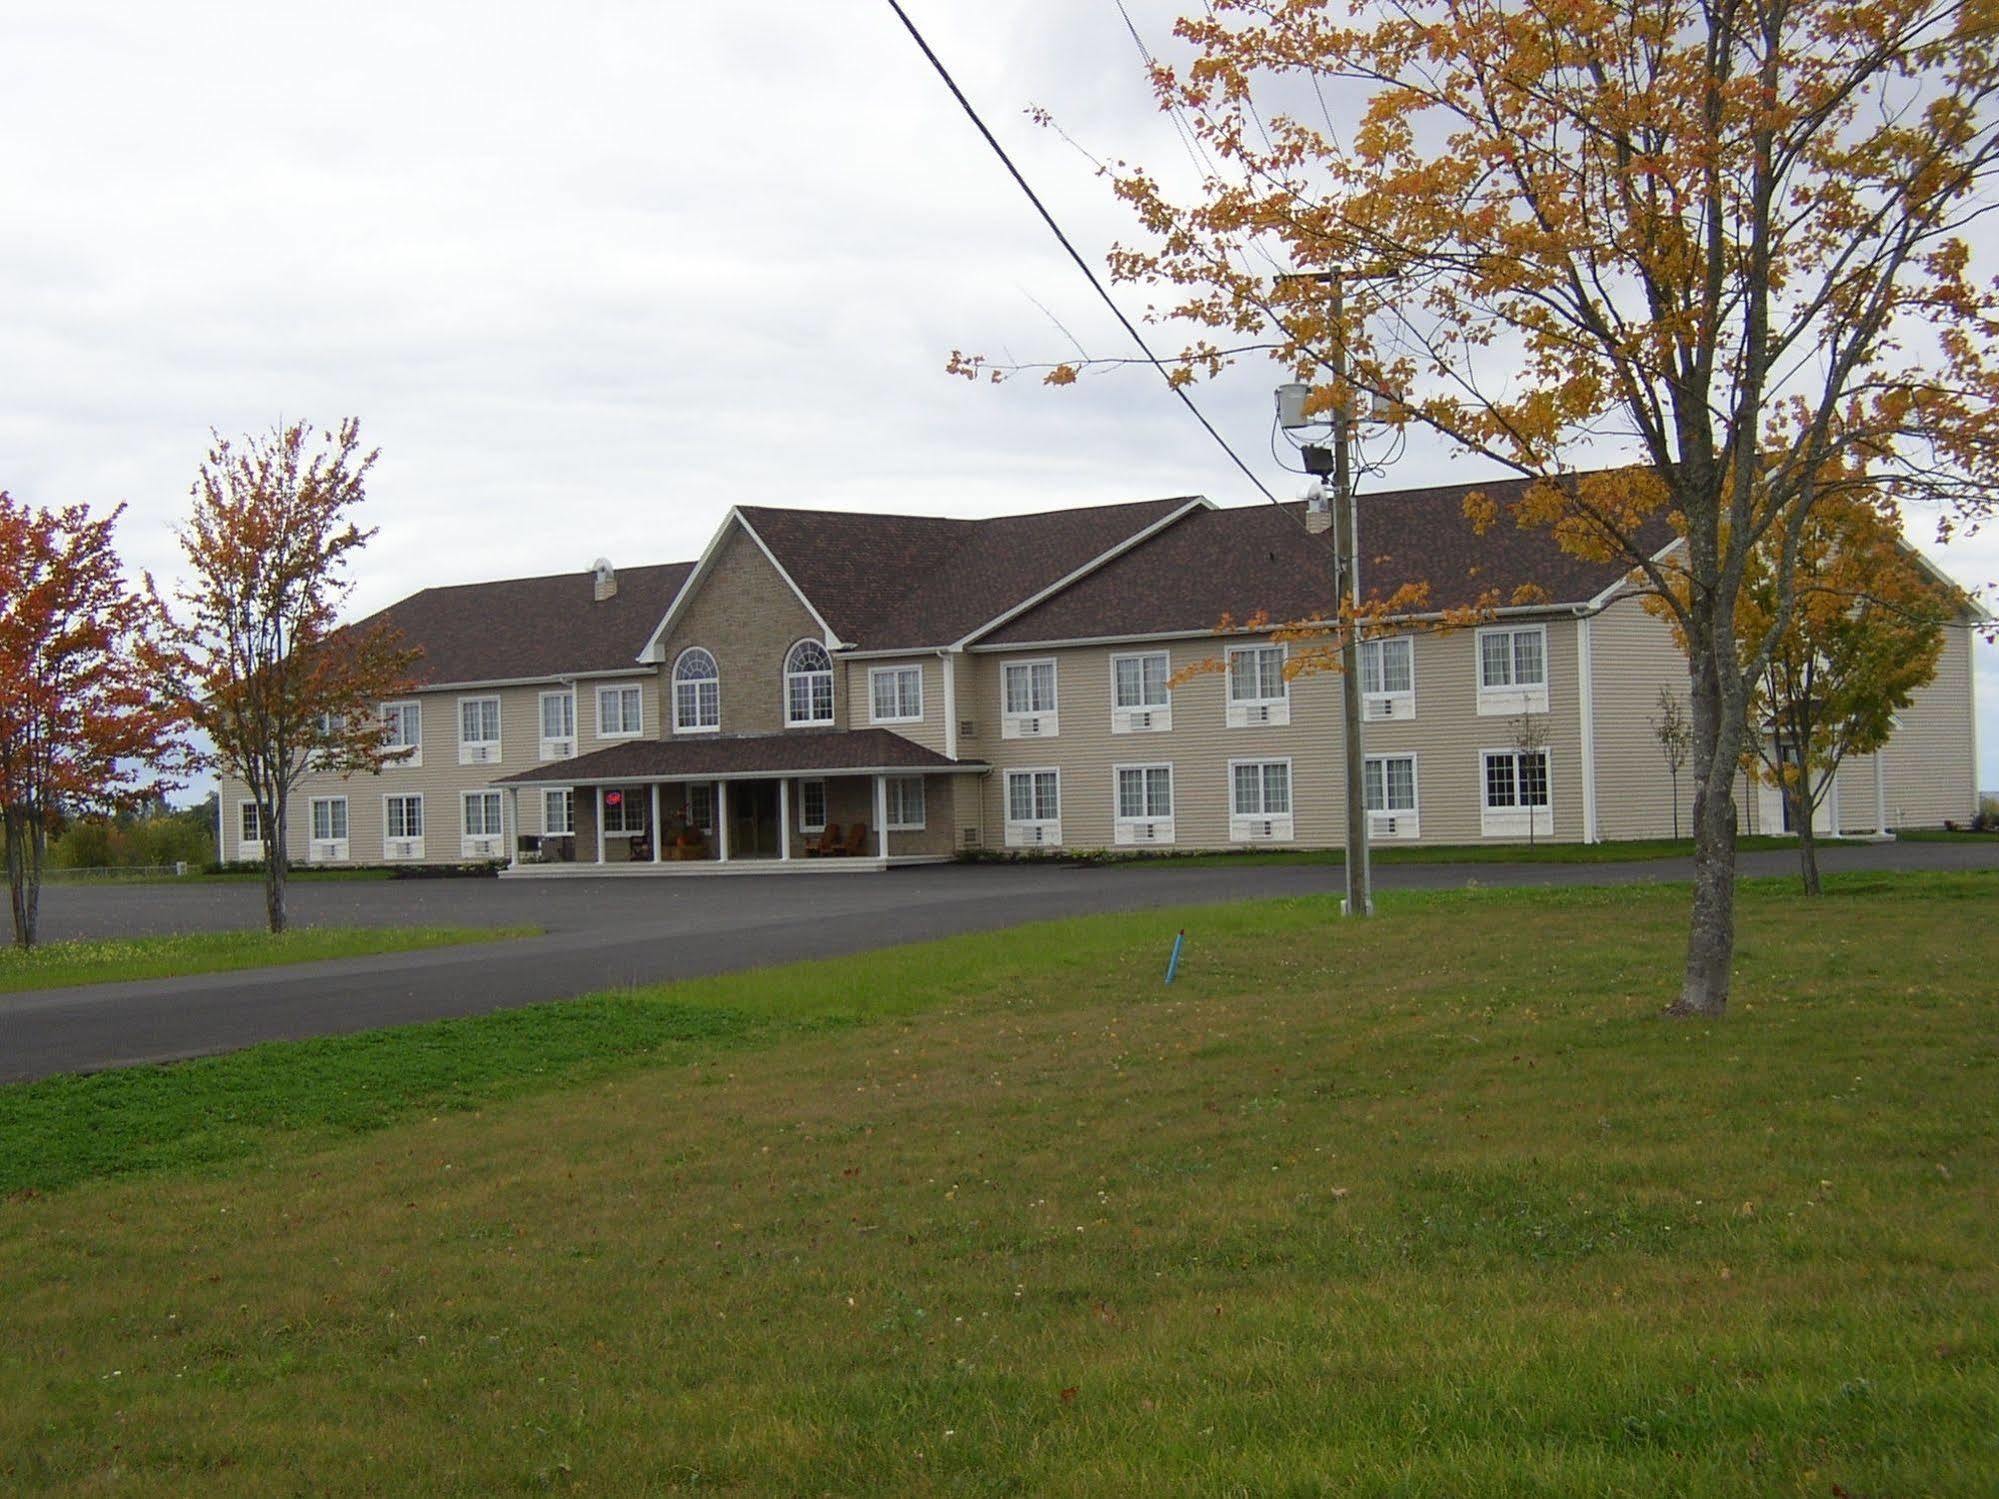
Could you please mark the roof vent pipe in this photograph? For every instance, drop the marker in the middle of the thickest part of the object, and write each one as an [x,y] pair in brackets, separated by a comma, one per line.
[604,579]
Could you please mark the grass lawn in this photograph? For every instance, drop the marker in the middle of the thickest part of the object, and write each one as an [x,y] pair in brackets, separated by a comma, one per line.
[1434,1204]
[59,965]
[1628,851]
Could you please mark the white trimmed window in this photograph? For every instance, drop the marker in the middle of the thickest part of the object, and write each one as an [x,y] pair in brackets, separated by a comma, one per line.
[808,685]
[478,731]
[1033,808]
[1028,703]
[402,826]
[403,723]
[1389,786]
[485,834]
[329,829]
[620,712]
[1513,670]
[249,831]
[1260,801]
[1258,692]
[1144,804]
[1141,702]
[558,725]
[812,806]
[1516,796]
[895,694]
[697,692]
[1388,678]
[558,812]
[625,810]
[905,803]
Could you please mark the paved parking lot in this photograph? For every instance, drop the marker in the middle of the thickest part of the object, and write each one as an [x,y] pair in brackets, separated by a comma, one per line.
[602,933]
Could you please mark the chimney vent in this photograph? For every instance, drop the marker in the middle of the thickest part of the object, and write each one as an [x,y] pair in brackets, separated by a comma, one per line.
[604,579]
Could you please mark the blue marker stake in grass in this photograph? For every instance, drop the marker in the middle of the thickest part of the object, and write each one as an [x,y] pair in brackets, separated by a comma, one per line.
[1173,963]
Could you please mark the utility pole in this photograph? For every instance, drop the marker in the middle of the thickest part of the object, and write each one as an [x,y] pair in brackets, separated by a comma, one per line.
[1346,582]
[1346,590]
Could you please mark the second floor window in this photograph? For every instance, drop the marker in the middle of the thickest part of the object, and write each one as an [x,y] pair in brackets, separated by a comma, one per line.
[808,684]
[697,692]
[1513,670]
[558,724]
[620,712]
[403,723]
[1030,687]
[1140,681]
[478,729]
[895,694]
[1256,674]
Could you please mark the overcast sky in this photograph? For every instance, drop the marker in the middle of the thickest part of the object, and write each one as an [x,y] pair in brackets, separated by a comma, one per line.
[591,273]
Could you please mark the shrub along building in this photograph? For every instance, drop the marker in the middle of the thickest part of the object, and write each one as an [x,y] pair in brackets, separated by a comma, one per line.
[843,691]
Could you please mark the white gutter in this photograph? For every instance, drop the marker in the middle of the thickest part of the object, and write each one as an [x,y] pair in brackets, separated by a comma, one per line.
[968,767]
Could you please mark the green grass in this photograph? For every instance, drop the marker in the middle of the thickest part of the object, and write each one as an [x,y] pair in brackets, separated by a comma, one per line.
[1944,835]
[60,965]
[1627,851]
[1436,1204]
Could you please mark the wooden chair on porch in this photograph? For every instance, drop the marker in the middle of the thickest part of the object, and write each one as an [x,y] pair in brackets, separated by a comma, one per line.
[856,841]
[826,844]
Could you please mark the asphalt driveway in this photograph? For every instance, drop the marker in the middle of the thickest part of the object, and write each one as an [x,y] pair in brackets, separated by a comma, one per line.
[606,933]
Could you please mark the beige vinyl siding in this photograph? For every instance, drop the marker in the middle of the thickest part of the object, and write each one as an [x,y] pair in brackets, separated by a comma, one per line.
[1633,655]
[1927,768]
[1446,735]
[748,618]
[859,700]
[441,780]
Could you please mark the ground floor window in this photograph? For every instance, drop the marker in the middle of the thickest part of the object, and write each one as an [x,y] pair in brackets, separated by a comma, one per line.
[482,814]
[811,806]
[1391,783]
[625,809]
[1033,795]
[329,819]
[1145,791]
[1515,779]
[558,812]
[905,803]
[701,806]
[402,817]
[1261,788]
[251,830]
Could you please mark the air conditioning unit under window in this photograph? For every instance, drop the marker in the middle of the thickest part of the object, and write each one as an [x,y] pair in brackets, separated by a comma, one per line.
[557,749]
[1392,825]
[404,848]
[478,754]
[1029,726]
[482,848]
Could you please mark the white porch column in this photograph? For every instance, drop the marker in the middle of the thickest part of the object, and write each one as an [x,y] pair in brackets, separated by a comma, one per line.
[514,817]
[656,839]
[721,822]
[600,824]
[881,815]
[783,819]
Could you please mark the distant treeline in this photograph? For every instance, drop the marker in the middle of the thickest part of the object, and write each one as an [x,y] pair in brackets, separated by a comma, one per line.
[157,835]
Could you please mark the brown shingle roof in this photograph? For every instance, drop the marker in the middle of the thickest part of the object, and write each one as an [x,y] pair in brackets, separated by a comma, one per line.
[797,752]
[884,582]
[1255,558]
[531,628]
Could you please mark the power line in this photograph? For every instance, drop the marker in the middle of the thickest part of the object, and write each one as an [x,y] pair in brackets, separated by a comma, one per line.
[1081,264]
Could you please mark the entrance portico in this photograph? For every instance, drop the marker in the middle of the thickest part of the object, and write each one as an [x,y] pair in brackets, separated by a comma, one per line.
[826,801]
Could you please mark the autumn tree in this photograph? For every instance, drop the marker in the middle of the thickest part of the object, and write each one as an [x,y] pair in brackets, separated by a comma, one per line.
[1674,736]
[1717,247]
[255,654]
[80,730]
[1863,633]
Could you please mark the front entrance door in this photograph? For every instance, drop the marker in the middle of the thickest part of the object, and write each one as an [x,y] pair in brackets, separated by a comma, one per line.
[753,830]
[1773,808]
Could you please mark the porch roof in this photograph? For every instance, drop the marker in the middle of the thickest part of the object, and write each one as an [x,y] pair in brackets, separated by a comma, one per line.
[723,757]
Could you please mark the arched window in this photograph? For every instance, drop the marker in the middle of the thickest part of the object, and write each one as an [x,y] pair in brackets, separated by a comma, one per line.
[697,692]
[808,685]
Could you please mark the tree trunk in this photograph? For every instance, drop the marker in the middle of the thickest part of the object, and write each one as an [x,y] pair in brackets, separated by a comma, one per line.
[25,846]
[276,864]
[1711,934]
[1676,805]
[1808,844]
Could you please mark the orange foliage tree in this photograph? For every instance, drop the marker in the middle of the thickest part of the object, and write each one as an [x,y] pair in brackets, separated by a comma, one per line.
[79,728]
[254,653]
[1720,242]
